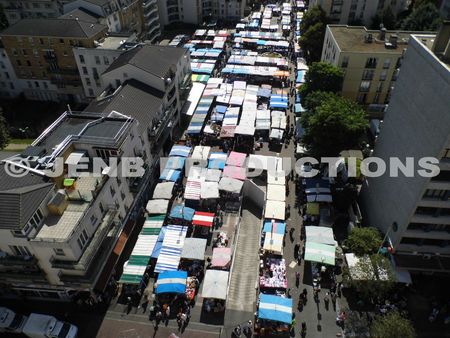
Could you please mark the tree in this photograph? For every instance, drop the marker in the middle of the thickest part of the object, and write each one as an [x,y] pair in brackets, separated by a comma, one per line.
[314,99]
[336,124]
[387,18]
[313,27]
[4,133]
[423,18]
[392,325]
[322,76]
[364,241]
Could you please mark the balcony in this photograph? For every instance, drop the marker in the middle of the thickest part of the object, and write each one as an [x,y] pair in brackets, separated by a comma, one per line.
[150,11]
[10,263]
[160,125]
[148,3]
[134,183]
[59,71]
[83,264]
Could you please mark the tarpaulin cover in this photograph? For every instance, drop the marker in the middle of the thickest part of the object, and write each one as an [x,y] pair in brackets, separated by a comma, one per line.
[175,162]
[321,253]
[236,159]
[235,172]
[192,190]
[230,185]
[194,248]
[182,212]
[158,206]
[275,209]
[171,282]
[205,219]
[215,284]
[320,234]
[170,253]
[209,190]
[275,308]
[163,190]
[170,175]
[178,150]
[221,257]
[275,227]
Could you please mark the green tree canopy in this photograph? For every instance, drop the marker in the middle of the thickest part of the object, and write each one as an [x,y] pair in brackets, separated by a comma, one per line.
[364,241]
[314,99]
[392,325]
[387,18]
[336,124]
[425,17]
[4,133]
[322,76]
[313,27]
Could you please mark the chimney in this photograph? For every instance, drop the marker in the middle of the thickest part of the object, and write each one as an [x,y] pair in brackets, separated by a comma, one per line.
[393,40]
[441,43]
[382,33]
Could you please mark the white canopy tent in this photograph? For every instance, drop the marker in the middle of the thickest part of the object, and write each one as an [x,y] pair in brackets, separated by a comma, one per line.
[274,242]
[276,192]
[164,190]
[215,284]
[320,234]
[275,209]
[209,190]
[230,185]
[158,206]
[278,177]
[194,248]
[213,175]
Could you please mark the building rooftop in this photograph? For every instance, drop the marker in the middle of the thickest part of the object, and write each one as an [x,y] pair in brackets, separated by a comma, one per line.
[64,28]
[81,14]
[98,2]
[437,44]
[133,99]
[118,42]
[353,38]
[20,197]
[153,59]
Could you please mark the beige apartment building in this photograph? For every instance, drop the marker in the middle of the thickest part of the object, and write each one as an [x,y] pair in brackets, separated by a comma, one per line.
[370,59]
[41,53]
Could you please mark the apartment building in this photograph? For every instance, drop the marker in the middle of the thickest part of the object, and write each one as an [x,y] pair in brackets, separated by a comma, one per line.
[58,233]
[150,84]
[152,25]
[198,12]
[41,54]
[10,85]
[444,9]
[358,11]
[92,62]
[16,10]
[370,59]
[415,211]
[118,15]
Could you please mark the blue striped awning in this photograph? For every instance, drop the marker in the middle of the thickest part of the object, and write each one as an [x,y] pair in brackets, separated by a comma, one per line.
[170,253]
[171,282]
[276,308]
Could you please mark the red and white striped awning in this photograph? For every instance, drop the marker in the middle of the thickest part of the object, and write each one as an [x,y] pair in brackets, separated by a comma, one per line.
[193,189]
[205,219]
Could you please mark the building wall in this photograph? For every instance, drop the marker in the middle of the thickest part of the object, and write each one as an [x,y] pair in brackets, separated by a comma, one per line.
[109,12]
[354,64]
[47,64]
[151,20]
[15,10]
[416,125]
[10,85]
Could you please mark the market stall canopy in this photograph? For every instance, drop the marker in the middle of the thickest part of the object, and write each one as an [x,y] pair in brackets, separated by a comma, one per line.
[275,227]
[242,129]
[193,189]
[170,175]
[221,257]
[274,242]
[182,212]
[276,177]
[217,160]
[205,219]
[213,175]
[263,162]
[275,308]
[238,173]
[275,209]
[201,153]
[215,284]
[276,192]
[132,274]
[323,198]
[230,185]
[163,190]
[171,282]
[209,190]
[178,150]
[276,134]
[236,159]
[158,206]
[172,245]
[153,224]
[197,173]
[313,209]
[321,253]
[175,162]
[194,249]
[320,234]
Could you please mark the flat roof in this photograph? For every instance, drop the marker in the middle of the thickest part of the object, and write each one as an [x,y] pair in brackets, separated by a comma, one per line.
[428,42]
[352,39]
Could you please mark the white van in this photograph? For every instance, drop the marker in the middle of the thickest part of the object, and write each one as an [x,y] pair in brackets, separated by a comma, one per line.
[10,321]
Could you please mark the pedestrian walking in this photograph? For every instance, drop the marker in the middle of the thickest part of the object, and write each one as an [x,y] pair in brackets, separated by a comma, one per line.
[129,305]
[326,300]
[339,289]
[297,278]
[291,234]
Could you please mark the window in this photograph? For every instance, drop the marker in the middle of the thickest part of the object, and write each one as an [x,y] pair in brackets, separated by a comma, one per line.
[59,252]
[11,85]
[100,206]
[93,220]
[88,81]
[368,74]
[97,59]
[386,63]
[361,98]
[344,63]
[36,84]
[85,71]
[379,87]
[7,75]
[45,85]
[383,75]
[19,63]
[41,41]
[364,86]
[91,92]
[19,250]
[376,98]
[35,5]
[65,53]
[35,53]
[437,194]
[371,63]
[82,240]
[28,63]
[61,41]
[125,75]
[105,60]
[24,52]
[81,57]
[14,51]
[113,192]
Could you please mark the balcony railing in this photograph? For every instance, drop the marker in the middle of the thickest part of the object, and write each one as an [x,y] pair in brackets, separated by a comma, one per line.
[155,132]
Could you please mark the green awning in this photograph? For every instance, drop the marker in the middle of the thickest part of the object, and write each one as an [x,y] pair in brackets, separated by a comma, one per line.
[130,279]
[139,260]
[150,231]
[68,182]
[321,253]
[312,209]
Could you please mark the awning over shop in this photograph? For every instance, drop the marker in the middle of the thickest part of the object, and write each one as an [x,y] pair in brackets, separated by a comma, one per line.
[170,175]
[236,159]
[194,249]
[274,242]
[171,282]
[163,190]
[221,257]
[209,190]
[158,206]
[275,308]
[238,173]
[215,284]
[217,160]
[193,189]
[312,209]
[320,234]
[170,253]
[178,150]
[205,219]
[275,209]
[275,227]
[182,212]
[213,175]
[321,253]
[276,192]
